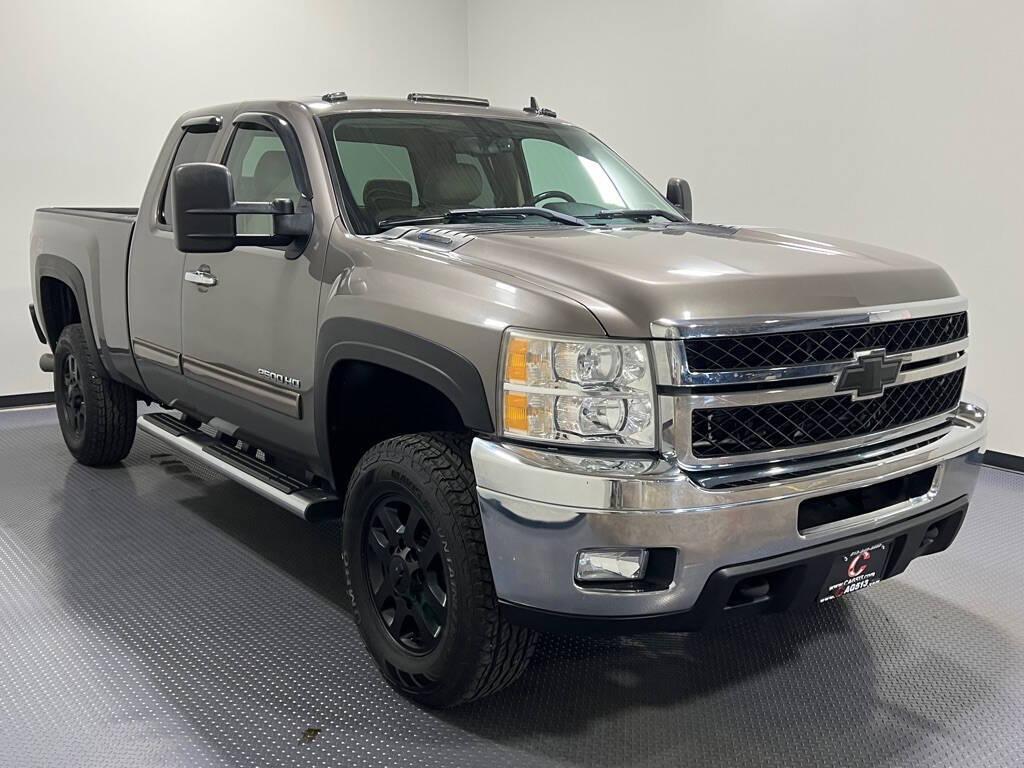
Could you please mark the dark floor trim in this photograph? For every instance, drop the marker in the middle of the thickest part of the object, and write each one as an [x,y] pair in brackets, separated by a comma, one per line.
[30,398]
[1004,461]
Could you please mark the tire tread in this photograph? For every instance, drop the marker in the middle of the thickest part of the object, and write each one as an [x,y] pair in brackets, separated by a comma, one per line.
[506,649]
[111,406]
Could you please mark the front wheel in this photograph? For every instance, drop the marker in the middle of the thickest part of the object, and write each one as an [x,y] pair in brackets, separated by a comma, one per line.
[418,574]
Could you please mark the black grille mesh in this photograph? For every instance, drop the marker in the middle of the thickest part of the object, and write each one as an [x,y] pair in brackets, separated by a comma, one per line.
[737,430]
[822,345]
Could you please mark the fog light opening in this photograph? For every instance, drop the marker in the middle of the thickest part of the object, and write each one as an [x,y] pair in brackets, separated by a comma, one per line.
[750,590]
[604,565]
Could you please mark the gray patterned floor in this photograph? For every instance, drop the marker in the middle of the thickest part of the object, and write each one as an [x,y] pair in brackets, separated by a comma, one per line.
[155,614]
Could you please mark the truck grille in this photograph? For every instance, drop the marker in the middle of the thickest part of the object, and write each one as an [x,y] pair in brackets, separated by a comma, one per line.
[822,345]
[734,431]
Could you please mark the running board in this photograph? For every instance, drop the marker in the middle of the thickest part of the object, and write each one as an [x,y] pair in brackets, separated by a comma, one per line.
[307,502]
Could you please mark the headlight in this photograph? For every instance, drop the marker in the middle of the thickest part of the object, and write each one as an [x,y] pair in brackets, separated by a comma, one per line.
[594,392]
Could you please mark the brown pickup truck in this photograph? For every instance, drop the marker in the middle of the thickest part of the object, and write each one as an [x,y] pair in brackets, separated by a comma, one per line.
[538,393]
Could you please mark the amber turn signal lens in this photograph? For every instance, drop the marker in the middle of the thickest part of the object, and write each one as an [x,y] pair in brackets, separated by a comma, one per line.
[516,359]
[517,414]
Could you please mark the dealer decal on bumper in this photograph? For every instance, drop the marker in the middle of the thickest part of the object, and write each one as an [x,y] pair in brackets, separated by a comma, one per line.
[856,570]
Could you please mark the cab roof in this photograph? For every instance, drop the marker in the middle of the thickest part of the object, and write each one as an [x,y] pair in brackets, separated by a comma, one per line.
[339,103]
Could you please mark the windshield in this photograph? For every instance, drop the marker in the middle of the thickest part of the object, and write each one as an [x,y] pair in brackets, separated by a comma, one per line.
[395,167]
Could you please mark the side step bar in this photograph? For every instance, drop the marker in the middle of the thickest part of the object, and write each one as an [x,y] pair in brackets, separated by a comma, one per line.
[307,502]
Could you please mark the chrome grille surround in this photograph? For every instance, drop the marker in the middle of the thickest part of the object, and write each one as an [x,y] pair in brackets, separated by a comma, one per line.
[684,391]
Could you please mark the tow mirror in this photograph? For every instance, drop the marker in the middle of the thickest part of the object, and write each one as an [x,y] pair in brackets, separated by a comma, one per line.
[680,196]
[205,208]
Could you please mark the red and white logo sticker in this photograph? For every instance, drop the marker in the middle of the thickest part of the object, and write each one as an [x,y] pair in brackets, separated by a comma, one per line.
[859,564]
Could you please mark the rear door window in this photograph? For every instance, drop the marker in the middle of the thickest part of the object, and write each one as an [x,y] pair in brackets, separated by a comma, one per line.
[194,147]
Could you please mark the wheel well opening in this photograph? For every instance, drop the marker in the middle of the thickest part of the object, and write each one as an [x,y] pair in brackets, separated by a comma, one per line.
[60,307]
[368,403]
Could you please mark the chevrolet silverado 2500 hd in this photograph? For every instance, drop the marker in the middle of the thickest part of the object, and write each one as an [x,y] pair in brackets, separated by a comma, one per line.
[537,392]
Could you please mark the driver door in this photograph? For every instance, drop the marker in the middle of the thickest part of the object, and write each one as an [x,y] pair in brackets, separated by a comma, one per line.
[248,316]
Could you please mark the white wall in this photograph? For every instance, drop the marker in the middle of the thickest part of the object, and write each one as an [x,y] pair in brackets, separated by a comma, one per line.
[88,91]
[896,123]
[893,123]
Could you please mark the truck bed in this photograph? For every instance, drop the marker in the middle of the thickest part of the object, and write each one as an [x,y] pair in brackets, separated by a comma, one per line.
[98,212]
[87,248]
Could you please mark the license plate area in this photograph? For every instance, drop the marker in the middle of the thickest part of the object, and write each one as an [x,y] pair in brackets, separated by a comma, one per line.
[855,570]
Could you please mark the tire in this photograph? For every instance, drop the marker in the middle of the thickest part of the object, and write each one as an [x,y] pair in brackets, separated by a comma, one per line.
[96,414]
[412,499]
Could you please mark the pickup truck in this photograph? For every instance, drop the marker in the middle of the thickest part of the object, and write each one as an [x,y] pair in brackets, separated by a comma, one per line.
[540,395]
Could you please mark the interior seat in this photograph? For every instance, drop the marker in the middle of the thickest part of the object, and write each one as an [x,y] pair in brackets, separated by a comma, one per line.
[273,177]
[384,198]
[455,185]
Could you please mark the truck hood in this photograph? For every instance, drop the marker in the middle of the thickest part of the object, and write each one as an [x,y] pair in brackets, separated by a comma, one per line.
[631,277]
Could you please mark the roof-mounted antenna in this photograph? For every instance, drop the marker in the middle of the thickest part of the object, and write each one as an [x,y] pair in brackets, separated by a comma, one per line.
[536,109]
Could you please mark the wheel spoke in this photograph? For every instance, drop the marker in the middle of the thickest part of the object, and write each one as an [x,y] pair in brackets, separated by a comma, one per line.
[426,632]
[401,614]
[383,594]
[379,546]
[390,523]
[404,572]
[429,551]
[434,598]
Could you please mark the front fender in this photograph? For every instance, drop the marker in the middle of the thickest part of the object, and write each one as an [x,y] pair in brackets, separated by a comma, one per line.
[346,338]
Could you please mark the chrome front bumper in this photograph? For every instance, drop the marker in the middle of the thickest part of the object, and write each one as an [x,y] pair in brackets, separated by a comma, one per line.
[540,508]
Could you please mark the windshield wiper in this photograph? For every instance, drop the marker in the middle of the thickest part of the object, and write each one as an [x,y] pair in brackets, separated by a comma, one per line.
[637,214]
[401,221]
[521,212]
[462,214]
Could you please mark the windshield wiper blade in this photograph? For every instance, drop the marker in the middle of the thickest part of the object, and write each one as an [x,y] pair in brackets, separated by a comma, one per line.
[461,214]
[401,221]
[520,212]
[638,214]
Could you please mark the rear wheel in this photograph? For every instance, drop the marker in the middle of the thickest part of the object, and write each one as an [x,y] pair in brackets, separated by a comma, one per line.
[418,573]
[96,414]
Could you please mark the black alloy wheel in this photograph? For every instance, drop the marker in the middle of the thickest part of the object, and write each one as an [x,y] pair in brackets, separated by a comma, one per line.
[405,573]
[96,414]
[419,578]
[73,402]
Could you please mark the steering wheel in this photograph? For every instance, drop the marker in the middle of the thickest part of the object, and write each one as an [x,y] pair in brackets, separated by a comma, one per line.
[550,194]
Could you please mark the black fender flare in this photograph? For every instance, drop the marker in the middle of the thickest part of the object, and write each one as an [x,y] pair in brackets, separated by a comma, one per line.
[450,373]
[59,268]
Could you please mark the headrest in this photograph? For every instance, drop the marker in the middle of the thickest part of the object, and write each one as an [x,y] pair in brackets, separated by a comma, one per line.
[271,171]
[453,185]
[382,195]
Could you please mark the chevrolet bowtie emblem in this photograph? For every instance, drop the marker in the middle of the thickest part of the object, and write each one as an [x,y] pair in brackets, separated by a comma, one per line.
[869,375]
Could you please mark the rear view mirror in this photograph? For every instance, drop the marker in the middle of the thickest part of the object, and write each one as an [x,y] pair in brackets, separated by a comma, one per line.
[205,209]
[680,196]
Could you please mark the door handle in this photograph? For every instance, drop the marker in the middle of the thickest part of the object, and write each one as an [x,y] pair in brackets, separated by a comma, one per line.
[200,277]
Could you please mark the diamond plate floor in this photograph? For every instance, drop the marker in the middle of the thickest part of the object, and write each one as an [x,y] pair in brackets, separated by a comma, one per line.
[156,614]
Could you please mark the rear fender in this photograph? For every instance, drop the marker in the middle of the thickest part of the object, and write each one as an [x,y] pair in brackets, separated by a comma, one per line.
[59,268]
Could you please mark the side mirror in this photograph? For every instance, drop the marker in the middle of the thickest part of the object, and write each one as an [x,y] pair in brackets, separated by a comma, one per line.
[680,196]
[205,208]
[203,194]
